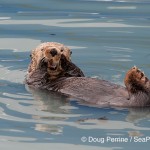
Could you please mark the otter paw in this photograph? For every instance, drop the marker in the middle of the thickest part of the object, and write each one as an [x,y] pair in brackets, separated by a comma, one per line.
[138,75]
[135,80]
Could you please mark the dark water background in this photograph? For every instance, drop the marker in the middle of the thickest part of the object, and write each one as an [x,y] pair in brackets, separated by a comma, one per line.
[107,37]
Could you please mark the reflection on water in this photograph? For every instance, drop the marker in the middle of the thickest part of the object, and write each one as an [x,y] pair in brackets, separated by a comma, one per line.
[107,37]
[53,117]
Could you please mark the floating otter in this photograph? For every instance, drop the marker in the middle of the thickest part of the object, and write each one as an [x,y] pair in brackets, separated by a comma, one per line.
[51,68]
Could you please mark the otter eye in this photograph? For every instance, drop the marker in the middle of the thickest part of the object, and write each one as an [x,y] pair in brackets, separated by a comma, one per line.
[30,55]
[62,50]
[70,52]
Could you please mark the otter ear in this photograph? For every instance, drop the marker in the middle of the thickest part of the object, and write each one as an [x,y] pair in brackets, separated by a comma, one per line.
[31,57]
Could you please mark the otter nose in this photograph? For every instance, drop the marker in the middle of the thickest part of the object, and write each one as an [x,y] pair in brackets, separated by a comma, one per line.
[53,52]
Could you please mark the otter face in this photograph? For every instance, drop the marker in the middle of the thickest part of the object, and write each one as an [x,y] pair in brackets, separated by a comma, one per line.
[52,56]
[48,56]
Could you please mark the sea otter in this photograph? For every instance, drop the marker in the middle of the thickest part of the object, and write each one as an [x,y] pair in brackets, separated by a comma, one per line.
[51,69]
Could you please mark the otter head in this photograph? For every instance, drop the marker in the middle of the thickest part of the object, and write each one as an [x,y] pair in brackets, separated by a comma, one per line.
[47,57]
[52,58]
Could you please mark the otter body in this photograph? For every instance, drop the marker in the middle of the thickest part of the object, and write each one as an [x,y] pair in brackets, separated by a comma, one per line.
[94,91]
[71,81]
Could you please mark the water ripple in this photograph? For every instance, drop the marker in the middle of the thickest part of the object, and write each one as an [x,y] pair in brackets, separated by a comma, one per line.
[107,37]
